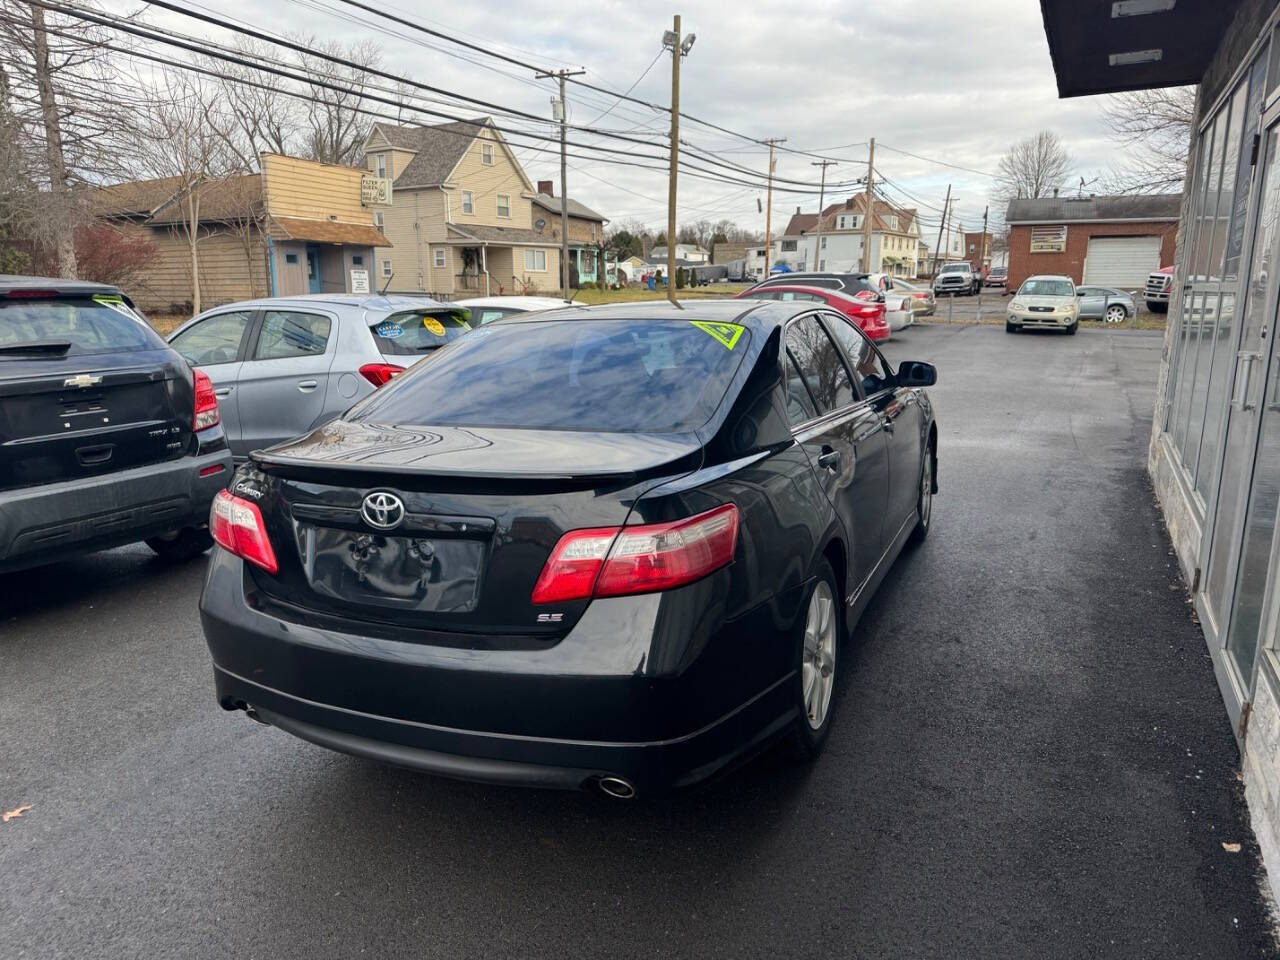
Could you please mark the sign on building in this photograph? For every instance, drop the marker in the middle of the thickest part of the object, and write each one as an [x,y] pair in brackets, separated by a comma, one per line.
[375,191]
[359,281]
[1049,239]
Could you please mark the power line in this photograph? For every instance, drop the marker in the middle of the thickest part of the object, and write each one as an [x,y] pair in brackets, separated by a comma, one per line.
[941,163]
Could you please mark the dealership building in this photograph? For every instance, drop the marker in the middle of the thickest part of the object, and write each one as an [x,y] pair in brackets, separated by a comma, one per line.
[1215,443]
[1096,241]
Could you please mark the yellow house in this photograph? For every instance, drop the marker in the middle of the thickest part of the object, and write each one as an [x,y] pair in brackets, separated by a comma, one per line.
[296,227]
[461,220]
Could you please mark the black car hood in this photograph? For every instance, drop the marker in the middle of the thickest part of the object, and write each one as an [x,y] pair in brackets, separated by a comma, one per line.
[479,451]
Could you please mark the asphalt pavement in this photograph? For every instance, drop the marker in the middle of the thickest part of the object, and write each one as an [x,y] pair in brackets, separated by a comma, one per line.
[1030,758]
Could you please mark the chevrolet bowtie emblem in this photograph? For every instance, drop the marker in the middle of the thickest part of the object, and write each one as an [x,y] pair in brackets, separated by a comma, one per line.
[82,380]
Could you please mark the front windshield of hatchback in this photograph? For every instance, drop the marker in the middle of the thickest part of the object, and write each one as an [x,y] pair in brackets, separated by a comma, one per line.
[1047,288]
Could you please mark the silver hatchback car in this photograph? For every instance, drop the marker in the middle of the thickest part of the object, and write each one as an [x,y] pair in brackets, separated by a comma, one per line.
[284,365]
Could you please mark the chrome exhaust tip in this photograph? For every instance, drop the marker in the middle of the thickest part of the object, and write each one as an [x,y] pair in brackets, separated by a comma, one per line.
[617,788]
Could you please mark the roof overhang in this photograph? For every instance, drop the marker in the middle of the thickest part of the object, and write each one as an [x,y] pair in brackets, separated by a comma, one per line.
[1084,36]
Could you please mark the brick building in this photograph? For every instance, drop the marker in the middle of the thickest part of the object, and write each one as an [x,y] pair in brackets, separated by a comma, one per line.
[1103,241]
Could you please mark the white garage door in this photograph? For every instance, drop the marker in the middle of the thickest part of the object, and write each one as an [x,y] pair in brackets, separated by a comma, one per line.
[1121,261]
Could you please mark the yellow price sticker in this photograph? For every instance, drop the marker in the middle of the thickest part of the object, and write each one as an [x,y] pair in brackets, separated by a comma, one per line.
[727,334]
[434,325]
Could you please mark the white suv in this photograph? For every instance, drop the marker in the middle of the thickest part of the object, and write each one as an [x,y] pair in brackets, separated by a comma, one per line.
[1047,301]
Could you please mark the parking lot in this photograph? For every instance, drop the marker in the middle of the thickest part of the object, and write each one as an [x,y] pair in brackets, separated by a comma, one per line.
[1030,758]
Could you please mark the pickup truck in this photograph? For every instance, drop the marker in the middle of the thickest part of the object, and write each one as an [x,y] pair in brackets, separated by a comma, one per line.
[1158,289]
[107,435]
[958,277]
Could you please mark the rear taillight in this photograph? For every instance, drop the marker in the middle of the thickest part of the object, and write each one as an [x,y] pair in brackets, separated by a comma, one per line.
[615,561]
[206,412]
[236,525]
[380,373]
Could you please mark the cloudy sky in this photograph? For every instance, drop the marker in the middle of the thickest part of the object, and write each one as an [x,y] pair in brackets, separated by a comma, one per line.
[954,84]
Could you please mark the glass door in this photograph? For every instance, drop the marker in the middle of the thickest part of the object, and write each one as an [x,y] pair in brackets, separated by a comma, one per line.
[1243,523]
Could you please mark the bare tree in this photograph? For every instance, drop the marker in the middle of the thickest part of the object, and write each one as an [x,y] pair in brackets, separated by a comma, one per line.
[1032,168]
[263,121]
[1154,128]
[336,128]
[69,112]
[186,141]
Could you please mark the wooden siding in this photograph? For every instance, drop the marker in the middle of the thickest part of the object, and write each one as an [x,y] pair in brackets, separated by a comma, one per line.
[486,182]
[232,267]
[291,278]
[414,219]
[312,191]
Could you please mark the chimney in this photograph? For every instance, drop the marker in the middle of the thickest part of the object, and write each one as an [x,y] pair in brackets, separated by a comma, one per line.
[1055,193]
[798,211]
[548,187]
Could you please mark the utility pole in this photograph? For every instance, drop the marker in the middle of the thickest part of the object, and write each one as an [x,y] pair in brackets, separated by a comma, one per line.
[560,111]
[679,47]
[868,215]
[768,213]
[822,193]
[942,225]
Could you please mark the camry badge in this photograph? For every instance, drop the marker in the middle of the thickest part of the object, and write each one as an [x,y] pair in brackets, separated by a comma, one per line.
[82,380]
[382,510]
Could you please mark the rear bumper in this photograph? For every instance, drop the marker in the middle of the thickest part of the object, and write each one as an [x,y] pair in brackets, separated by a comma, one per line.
[51,521]
[605,700]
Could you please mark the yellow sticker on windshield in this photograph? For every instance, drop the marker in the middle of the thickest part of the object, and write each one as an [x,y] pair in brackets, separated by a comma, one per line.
[434,325]
[725,333]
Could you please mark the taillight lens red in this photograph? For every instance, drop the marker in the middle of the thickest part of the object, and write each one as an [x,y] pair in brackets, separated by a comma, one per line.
[616,561]
[380,373]
[206,413]
[236,524]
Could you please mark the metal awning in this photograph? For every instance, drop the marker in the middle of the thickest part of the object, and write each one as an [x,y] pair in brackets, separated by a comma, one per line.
[1105,46]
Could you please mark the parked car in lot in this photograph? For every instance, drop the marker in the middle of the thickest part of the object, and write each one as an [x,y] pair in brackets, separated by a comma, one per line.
[1105,303]
[282,366]
[107,436]
[1158,290]
[850,283]
[488,309]
[614,548]
[958,277]
[996,277]
[1045,301]
[870,316]
[897,302]
[921,299]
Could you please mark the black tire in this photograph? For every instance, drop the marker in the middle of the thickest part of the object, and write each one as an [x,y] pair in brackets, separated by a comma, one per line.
[187,544]
[1071,330]
[924,503]
[1010,327]
[807,741]
[1157,307]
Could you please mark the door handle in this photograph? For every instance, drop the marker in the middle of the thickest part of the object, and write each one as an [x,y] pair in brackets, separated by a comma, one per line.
[829,458]
[1244,368]
[306,386]
[222,392]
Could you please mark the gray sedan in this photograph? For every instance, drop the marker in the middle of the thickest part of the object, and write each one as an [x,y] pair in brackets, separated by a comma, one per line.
[1105,303]
[282,366]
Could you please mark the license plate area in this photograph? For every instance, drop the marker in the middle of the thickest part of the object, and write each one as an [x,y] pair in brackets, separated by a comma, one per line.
[410,573]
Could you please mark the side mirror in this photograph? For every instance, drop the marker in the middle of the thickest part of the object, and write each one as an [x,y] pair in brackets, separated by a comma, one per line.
[917,373]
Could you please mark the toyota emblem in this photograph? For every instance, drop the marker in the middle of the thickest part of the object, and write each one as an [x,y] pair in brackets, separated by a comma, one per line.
[382,510]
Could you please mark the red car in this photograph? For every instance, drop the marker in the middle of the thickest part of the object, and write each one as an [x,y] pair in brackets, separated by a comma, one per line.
[867,316]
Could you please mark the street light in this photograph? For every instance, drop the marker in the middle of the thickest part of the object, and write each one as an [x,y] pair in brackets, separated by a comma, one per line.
[688,44]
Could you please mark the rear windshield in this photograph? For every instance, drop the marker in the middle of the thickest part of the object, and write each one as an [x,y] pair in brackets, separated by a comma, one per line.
[72,327]
[612,376]
[483,315]
[419,331]
[1047,288]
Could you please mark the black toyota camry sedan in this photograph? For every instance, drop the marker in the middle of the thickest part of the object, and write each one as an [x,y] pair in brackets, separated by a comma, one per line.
[615,548]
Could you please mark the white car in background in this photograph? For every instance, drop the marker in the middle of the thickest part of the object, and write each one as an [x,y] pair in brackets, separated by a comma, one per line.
[488,309]
[898,311]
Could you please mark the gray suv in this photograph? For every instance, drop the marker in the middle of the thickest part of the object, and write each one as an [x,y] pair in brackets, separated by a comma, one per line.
[284,365]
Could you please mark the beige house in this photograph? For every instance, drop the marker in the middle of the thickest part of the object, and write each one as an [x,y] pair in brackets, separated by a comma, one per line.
[296,227]
[461,220]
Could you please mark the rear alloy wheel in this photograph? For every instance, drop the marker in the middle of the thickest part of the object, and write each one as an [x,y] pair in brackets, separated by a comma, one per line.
[1117,314]
[818,646]
[185,544]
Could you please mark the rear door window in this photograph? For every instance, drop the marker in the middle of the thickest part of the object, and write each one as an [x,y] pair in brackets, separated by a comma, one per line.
[72,326]
[594,375]
[214,339]
[817,362]
[290,333]
[415,332]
